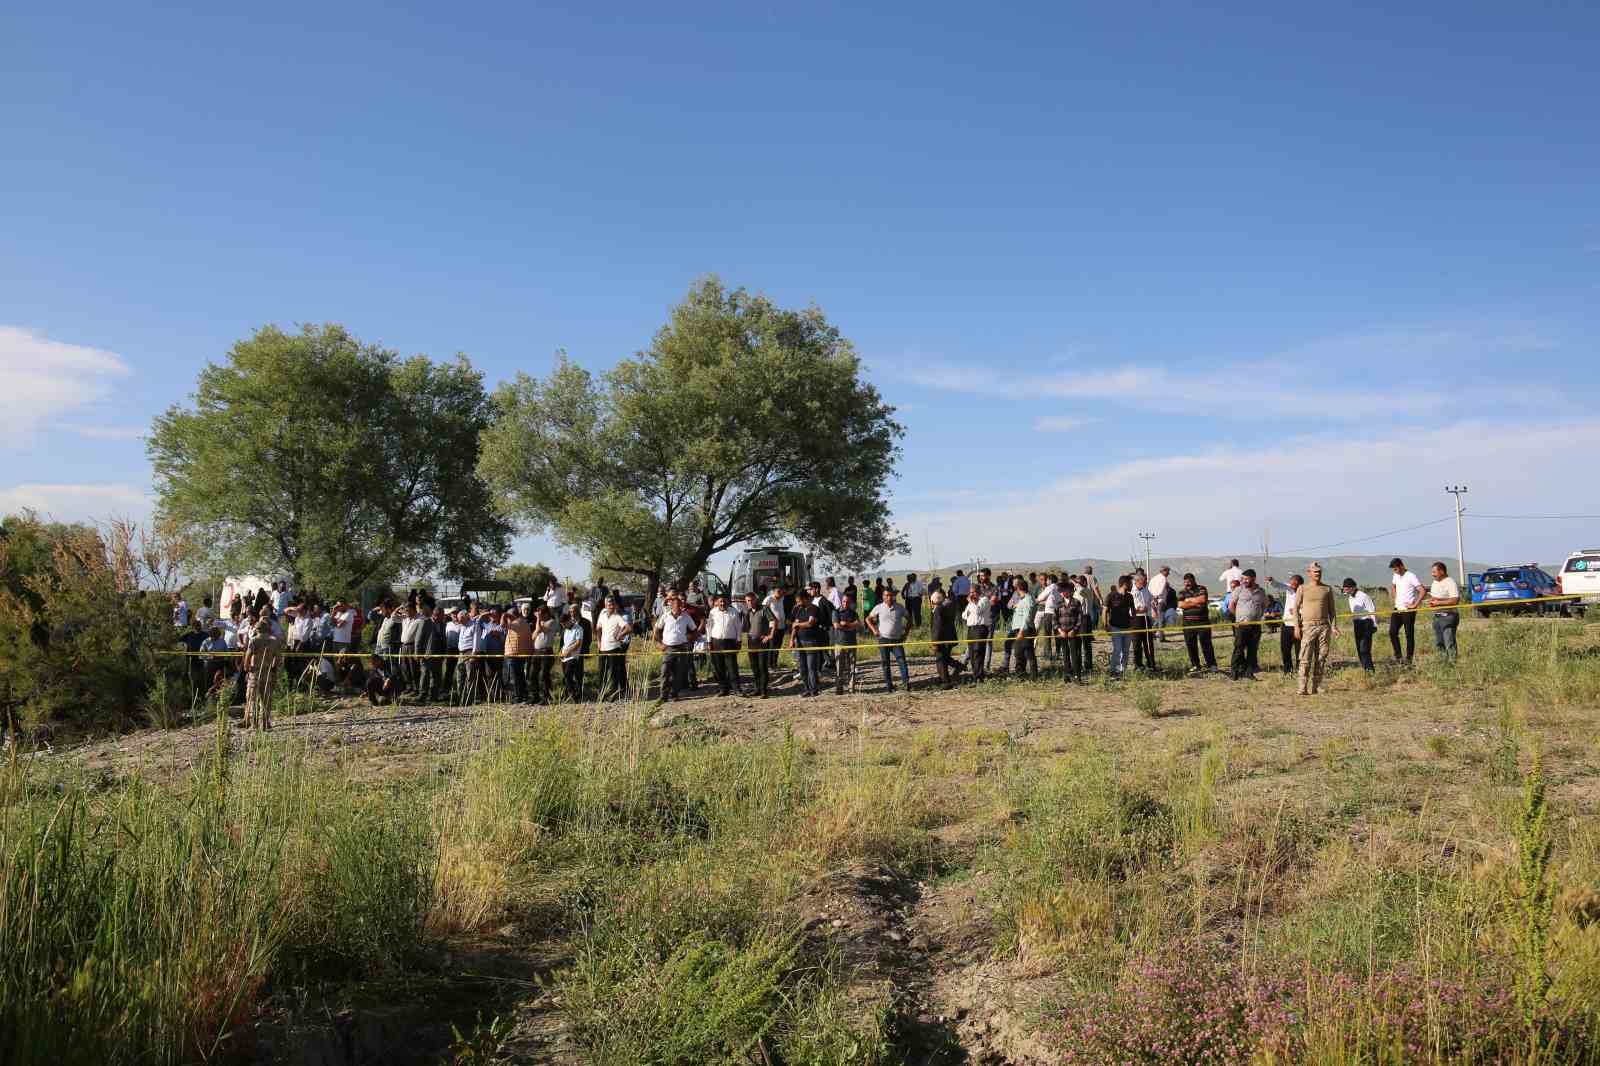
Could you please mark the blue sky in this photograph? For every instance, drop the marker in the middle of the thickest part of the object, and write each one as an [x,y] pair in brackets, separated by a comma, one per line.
[1202,272]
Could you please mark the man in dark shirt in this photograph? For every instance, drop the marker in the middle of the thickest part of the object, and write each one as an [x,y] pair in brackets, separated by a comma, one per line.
[1195,603]
[825,624]
[846,623]
[1119,621]
[808,635]
[760,626]
[942,621]
[191,639]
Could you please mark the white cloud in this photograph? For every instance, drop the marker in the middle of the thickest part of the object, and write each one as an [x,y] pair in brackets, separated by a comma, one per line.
[76,503]
[1059,423]
[1309,490]
[45,379]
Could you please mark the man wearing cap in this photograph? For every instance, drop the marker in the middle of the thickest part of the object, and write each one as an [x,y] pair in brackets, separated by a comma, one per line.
[1363,621]
[1316,622]
[1249,607]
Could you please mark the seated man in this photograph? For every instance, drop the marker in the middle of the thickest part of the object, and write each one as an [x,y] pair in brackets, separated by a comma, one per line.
[381,687]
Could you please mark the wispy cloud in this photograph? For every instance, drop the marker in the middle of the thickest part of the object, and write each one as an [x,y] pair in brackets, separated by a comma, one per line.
[46,379]
[1312,489]
[1305,379]
[78,502]
[1059,423]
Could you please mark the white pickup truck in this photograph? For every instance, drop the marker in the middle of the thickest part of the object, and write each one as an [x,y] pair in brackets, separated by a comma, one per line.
[1581,577]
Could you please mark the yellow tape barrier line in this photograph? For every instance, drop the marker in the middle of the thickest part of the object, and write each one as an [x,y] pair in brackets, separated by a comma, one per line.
[744,649]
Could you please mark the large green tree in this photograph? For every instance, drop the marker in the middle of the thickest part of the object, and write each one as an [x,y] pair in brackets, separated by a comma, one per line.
[337,461]
[742,421]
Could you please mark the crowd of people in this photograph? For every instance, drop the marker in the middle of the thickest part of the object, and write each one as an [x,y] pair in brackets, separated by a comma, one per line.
[476,651]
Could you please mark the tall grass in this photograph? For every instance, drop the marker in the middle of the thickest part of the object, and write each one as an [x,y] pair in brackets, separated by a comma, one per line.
[144,924]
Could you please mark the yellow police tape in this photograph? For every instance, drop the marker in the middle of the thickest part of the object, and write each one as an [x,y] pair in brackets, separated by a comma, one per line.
[890,643]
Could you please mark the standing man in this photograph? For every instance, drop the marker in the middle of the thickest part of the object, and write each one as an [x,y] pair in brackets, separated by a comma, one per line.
[1071,622]
[1289,632]
[1249,607]
[573,635]
[1145,620]
[1443,595]
[1119,622]
[1226,579]
[824,611]
[774,606]
[614,629]
[261,665]
[760,625]
[810,637]
[887,621]
[435,645]
[1023,610]
[959,585]
[846,624]
[519,652]
[1194,603]
[1159,586]
[555,597]
[724,627]
[678,631]
[942,624]
[1406,596]
[1317,622]
[914,591]
[979,618]
[1363,621]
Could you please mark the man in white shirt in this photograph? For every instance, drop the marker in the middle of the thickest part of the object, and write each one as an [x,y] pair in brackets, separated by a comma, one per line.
[205,615]
[780,625]
[180,613]
[1363,621]
[614,630]
[1288,636]
[913,591]
[1406,597]
[1443,595]
[1158,592]
[979,618]
[1144,623]
[724,628]
[677,632]
[555,598]
[1045,612]
[280,599]
[1231,576]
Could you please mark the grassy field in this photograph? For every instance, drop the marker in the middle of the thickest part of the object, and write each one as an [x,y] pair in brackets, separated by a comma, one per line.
[1403,869]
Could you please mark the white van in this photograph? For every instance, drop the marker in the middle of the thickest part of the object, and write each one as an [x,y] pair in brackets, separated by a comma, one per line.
[1581,577]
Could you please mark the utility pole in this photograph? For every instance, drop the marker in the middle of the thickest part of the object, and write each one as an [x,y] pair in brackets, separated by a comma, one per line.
[1459,491]
[1147,538]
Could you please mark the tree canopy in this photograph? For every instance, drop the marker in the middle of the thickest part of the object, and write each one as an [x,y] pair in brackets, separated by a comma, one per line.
[526,579]
[334,460]
[742,420]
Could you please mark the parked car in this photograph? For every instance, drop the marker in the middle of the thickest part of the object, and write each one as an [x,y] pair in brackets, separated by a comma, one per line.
[1508,588]
[1580,576]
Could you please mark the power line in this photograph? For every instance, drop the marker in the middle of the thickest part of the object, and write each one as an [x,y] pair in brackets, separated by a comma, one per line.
[1375,536]
[1537,517]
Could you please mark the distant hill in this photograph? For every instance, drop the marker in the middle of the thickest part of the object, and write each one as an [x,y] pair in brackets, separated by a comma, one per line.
[1368,570]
